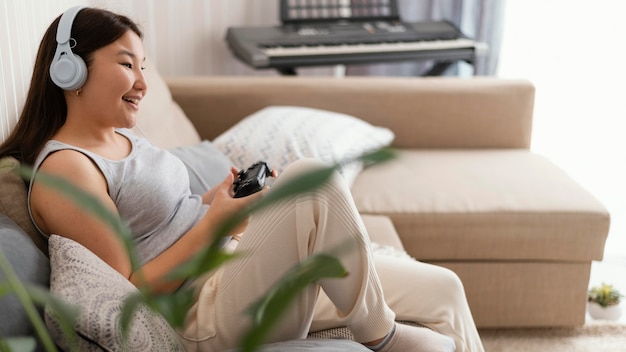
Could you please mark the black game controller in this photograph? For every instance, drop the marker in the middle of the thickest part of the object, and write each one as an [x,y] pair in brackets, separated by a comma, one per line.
[251,180]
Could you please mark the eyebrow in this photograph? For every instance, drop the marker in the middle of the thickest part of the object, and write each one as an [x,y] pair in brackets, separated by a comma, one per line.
[128,53]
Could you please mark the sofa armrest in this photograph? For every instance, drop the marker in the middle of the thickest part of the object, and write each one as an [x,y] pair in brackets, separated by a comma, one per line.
[438,112]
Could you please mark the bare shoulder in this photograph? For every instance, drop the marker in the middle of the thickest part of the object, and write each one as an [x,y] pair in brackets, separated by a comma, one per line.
[75,167]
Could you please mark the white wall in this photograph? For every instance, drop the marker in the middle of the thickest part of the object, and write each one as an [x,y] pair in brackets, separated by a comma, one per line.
[188,37]
[22,24]
[575,53]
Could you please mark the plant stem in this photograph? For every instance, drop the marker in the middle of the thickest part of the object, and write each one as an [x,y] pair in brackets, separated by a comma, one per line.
[28,305]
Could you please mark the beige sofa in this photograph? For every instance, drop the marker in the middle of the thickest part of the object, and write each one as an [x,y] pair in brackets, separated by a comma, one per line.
[465,191]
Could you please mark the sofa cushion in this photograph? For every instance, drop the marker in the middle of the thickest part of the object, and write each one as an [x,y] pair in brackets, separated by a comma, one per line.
[160,119]
[81,278]
[279,135]
[313,345]
[30,265]
[207,166]
[484,204]
[13,200]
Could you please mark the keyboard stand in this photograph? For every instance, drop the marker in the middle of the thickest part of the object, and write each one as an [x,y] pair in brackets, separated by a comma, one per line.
[438,69]
[440,66]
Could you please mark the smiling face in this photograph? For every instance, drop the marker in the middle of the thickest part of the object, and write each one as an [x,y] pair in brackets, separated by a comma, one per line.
[115,84]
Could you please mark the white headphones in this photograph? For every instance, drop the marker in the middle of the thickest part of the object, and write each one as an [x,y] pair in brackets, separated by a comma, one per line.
[68,71]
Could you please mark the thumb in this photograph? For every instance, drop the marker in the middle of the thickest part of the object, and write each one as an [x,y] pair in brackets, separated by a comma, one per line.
[228,181]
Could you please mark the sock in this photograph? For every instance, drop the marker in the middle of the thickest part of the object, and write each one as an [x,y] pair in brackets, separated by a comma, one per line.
[384,341]
[405,338]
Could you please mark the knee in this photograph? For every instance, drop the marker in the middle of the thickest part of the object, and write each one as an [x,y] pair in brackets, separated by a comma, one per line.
[440,279]
[435,283]
[450,281]
[305,166]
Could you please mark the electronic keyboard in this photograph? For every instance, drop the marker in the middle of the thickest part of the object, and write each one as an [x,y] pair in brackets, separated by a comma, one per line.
[348,42]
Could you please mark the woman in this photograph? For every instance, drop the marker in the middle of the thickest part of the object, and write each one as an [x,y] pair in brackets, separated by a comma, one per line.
[80,132]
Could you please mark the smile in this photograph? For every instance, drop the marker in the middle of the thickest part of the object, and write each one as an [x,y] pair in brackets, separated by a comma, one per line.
[131,100]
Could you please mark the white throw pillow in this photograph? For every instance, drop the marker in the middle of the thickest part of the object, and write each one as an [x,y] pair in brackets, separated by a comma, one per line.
[280,135]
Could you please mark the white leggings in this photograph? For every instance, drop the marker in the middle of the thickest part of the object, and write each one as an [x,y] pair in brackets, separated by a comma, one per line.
[322,222]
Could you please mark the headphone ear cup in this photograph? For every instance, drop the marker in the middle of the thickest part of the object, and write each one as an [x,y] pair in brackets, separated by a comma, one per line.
[68,71]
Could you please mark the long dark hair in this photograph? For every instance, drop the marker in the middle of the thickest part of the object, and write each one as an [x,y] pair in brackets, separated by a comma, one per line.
[45,108]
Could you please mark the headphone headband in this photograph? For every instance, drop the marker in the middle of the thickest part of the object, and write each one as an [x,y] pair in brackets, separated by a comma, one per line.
[67,70]
[64,31]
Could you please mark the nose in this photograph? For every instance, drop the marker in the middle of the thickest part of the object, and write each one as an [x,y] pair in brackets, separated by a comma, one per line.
[140,80]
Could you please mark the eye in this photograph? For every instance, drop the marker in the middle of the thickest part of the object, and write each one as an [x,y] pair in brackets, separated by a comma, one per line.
[128,65]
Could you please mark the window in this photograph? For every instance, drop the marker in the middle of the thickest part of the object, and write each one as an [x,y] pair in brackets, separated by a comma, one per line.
[575,54]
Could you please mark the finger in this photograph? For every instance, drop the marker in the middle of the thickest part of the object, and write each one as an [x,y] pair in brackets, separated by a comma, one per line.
[229,179]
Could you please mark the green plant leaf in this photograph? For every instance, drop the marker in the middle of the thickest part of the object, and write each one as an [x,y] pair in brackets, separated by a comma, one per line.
[18,344]
[605,295]
[377,157]
[172,306]
[266,311]
[207,259]
[65,313]
[26,301]
[212,257]
[306,182]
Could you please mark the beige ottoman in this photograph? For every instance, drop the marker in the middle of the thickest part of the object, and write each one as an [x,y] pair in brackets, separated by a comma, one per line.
[519,232]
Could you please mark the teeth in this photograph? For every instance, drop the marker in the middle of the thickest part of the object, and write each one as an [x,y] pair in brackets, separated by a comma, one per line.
[131,100]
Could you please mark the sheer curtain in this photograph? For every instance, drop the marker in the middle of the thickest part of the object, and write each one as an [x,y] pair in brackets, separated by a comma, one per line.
[574,52]
[481,20]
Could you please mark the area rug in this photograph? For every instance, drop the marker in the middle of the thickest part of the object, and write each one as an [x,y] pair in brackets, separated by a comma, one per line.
[594,336]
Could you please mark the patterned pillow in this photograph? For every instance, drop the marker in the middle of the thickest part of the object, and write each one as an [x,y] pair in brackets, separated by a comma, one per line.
[81,278]
[279,135]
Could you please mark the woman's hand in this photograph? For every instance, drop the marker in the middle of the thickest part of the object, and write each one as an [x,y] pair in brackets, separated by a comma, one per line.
[224,206]
[208,196]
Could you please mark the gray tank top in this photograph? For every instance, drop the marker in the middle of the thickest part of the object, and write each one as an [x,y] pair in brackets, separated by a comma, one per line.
[158,210]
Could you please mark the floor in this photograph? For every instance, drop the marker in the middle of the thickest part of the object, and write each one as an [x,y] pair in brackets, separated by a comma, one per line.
[611,270]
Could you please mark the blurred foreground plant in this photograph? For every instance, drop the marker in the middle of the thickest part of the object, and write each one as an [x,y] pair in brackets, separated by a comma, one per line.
[265,312]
